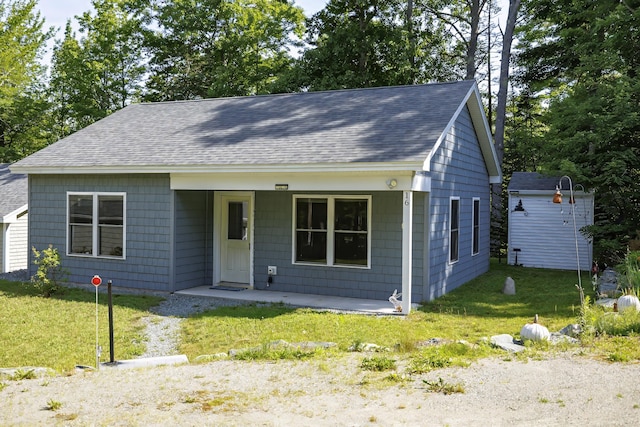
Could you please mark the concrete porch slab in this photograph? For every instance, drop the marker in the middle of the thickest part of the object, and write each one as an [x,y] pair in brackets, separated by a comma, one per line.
[297,299]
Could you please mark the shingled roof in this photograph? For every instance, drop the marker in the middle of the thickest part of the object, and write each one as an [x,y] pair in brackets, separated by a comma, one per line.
[398,124]
[13,191]
[530,181]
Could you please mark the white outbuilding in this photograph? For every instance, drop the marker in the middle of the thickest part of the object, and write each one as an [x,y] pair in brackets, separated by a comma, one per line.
[14,248]
[545,222]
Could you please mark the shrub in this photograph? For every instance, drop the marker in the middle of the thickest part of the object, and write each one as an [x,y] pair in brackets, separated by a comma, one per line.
[377,364]
[50,274]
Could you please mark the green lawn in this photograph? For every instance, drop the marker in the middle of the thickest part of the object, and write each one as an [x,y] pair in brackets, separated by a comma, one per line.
[59,332]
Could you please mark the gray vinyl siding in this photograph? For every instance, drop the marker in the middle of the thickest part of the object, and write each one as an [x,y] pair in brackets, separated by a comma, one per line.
[148,262]
[273,246]
[2,233]
[458,170]
[193,224]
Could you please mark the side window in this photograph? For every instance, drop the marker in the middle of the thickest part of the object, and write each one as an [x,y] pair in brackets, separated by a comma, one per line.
[476,226]
[454,228]
[96,224]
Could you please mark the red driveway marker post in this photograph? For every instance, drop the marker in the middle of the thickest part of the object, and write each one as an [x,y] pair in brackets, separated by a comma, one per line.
[97,281]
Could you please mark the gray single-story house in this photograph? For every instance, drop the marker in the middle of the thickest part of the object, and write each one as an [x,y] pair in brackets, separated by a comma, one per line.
[14,248]
[541,231]
[350,193]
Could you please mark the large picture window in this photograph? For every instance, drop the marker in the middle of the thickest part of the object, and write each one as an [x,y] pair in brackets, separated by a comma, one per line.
[454,228]
[332,230]
[96,224]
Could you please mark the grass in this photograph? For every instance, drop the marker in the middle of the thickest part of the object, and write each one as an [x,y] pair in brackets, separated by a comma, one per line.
[59,332]
[475,310]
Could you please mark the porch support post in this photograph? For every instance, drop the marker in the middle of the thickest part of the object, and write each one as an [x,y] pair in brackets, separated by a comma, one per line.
[407,251]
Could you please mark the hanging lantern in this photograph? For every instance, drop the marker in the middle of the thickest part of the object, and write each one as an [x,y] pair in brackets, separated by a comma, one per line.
[557,198]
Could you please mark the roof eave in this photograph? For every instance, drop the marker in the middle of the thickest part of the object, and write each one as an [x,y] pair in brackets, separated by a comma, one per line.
[249,168]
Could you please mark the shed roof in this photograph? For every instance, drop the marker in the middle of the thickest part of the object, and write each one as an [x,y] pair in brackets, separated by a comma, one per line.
[524,181]
[13,191]
[399,124]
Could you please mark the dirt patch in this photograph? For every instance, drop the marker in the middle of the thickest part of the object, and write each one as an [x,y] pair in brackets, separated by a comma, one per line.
[559,391]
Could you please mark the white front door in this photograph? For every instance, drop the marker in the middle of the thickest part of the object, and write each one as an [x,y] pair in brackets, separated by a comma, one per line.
[235,237]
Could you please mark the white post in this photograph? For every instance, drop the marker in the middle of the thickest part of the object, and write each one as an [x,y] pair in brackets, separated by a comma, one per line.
[407,251]
[97,341]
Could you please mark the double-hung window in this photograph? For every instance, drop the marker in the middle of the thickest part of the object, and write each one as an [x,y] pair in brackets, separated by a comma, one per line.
[96,224]
[454,228]
[332,230]
[476,226]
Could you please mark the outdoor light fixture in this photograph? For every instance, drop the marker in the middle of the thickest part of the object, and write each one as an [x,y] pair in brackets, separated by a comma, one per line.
[392,183]
[557,198]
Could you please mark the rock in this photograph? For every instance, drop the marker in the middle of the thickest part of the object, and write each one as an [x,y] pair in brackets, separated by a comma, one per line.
[509,287]
[368,347]
[573,330]
[506,342]
[557,338]
[211,357]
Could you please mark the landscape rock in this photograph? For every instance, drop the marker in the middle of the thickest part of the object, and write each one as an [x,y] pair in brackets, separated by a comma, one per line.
[573,330]
[506,342]
[509,287]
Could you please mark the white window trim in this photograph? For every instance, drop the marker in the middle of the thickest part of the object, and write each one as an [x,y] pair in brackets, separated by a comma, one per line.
[94,224]
[475,234]
[451,199]
[331,198]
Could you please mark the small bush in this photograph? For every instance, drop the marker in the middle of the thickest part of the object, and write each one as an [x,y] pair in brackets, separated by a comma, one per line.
[377,364]
[23,374]
[441,386]
[50,274]
[53,405]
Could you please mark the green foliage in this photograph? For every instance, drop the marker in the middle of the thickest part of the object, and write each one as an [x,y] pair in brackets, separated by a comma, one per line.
[22,103]
[220,48]
[100,72]
[53,405]
[377,364]
[443,387]
[23,374]
[629,273]
[50,274]
[277,351]
[357,44]
[605,322]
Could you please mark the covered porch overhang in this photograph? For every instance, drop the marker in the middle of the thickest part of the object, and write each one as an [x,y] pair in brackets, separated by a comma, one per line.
[395,179]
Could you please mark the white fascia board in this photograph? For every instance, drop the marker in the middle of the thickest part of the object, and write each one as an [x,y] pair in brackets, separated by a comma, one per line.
[13,216]
[473,101]
[243,168]
[293,181]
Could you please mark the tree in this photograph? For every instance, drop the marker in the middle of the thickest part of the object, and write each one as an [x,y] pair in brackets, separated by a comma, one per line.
[586,53]
[100,72]
[205,49]
[366,43]
[21,102]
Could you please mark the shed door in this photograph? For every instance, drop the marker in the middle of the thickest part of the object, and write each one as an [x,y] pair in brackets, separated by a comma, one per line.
[235,241]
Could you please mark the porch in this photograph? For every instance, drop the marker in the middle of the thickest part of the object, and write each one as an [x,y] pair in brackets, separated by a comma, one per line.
[327,302]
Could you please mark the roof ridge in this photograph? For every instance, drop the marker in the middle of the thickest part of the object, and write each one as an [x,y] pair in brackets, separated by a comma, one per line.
[303,93]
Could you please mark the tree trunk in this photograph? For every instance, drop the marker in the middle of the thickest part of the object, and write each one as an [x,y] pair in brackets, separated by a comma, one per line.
[501,109]
[473,40]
